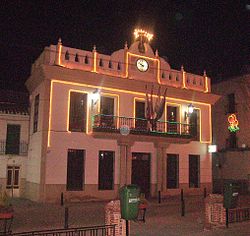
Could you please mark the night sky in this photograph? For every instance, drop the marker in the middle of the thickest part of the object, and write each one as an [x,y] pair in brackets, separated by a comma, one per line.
[211,35]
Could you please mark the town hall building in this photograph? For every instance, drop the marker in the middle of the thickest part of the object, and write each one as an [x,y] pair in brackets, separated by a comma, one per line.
[98,122]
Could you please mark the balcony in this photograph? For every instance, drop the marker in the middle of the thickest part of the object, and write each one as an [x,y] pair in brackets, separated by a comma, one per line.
[138,126]
[19,149]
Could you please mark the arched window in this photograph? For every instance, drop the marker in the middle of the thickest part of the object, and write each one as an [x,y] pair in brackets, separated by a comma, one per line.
[163,75]
[76,58]
[119,66]
[67,55]
[86,60]
[101,62]
[110,64]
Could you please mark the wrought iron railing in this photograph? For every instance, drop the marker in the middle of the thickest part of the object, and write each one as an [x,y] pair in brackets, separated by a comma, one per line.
[20,149]
[109,123]
[103,230]
[238,215]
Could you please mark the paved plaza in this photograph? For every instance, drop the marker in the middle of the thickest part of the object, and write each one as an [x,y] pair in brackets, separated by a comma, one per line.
[161,219]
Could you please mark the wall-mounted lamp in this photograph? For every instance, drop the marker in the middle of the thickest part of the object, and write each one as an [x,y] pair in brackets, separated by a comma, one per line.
[95,96]
[190,108]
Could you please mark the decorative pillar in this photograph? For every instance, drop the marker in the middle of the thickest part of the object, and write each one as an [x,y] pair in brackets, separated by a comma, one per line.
[161,165]
[125,162]
[183,77]
[126,59]
[94,58]
[58,52]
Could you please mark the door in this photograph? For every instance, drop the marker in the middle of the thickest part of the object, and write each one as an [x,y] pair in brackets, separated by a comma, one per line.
[194,121]
[12,184]
[75,170]
[107,112]
[172,171]
[194,171]
[13,139]
[140,121]
[141,171]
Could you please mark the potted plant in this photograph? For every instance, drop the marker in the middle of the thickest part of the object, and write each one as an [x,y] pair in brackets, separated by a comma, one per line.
[6,209]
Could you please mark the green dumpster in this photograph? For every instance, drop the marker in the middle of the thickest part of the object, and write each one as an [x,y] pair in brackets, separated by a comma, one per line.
[129,200]
[231,193]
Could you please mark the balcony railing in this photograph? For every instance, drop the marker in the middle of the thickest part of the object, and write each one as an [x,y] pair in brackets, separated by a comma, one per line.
[20,149]
[109,123]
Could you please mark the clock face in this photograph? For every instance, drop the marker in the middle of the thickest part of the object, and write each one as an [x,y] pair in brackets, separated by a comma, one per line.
[142,65]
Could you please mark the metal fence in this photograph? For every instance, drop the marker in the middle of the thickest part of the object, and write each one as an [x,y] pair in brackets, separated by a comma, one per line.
[103,230]
[238,215]
[20,149]
[110,123]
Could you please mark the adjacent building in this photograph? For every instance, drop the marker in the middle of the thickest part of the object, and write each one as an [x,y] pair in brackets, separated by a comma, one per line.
[14,136]
[98,122]
[231,132]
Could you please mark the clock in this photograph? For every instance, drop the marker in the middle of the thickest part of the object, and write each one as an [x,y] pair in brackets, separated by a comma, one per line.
[142,65]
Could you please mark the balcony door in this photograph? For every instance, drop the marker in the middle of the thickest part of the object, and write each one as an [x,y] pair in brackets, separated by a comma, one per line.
[13,139]
[195,124]
[107,112]
[140,122]
[172,113]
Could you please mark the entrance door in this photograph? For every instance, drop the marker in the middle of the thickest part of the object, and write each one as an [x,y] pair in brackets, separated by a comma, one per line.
[12,185]
[141,171]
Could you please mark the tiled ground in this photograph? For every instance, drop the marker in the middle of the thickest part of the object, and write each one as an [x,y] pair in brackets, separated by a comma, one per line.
[161,219]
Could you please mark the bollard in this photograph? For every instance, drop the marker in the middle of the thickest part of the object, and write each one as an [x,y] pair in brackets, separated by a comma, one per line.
[66,218]
[227,217]
[159,196]
[127,228]
[182,208]
[205,192]
[182,197]
[62,200]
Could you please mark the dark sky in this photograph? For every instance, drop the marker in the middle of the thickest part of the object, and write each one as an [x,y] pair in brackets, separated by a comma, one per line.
[212,35]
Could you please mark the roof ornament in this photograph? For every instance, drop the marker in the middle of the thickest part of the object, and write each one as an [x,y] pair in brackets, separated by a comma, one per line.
[126,45]
[156,53]
[143,37]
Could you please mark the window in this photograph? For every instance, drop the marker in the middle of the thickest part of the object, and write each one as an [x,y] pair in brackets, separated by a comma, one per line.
[171,119]
[67,55]
[78,110]
[76,58]
[13,139]
[12,177]
[107,111]
[75,170]
[172,171]
[194,171]
[36,111]
[231,103]
[86,60]
[231,142]
[195,124]
[140,122]
[106,170]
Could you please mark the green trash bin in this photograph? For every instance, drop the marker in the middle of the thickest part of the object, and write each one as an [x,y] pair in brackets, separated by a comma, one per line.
[231,193]
[129,201]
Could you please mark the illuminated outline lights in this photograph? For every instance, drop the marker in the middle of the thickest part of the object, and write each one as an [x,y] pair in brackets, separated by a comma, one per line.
[141,32]
[233,123]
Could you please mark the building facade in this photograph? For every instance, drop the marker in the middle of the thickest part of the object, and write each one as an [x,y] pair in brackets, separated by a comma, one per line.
[231,132]
[14,136]
[90,130]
